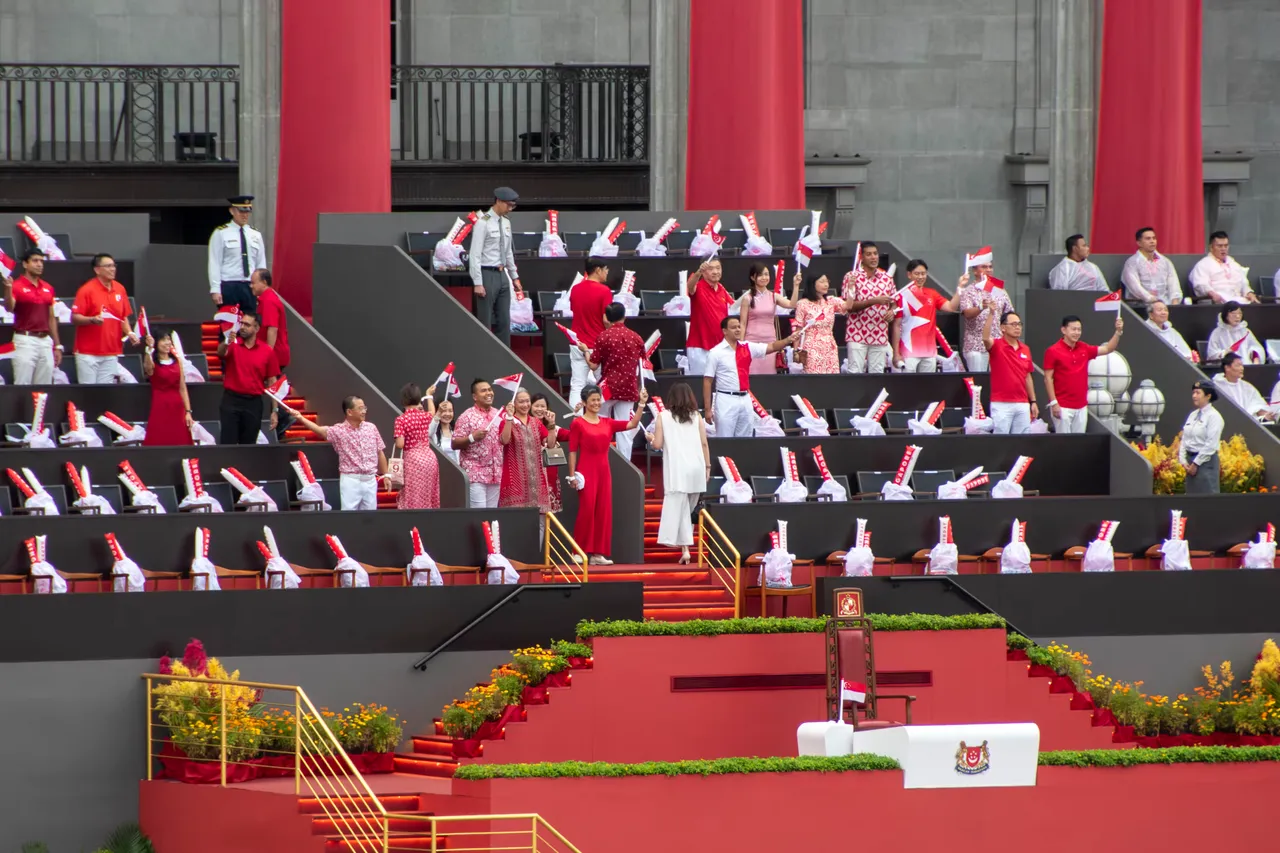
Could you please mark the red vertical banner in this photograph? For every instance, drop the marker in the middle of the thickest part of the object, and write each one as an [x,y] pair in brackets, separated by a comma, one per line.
[335,127]
[1149,169]
[746,105]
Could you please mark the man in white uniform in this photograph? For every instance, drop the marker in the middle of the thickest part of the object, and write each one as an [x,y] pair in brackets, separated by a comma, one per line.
[493,264]
[1149,276]
[1076,271]
[235,251]
[1158,320]
[1232,385]
[1218,276]
[728,374]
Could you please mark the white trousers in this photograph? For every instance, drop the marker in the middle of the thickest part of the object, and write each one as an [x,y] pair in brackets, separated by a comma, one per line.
[676,524]
[1011,418]
[733,416]
[1073,420]
[867,359]
[621,410]
[580,377]
[32,360]
[977,362]
[921,365]
[482,495]
[96,369]
[697,361]
[358,491]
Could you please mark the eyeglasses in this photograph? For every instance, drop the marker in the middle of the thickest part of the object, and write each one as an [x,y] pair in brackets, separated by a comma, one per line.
[1012,323]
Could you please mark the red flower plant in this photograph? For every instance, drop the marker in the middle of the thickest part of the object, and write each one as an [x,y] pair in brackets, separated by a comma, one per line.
[166,666]
[194,658]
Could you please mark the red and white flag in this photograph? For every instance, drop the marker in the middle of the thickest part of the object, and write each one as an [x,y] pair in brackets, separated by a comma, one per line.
[228,316]
[7,264]
[6,351]
[991,284]
[446,378]
[918,338]
[804,254]
[510,383]
[853,691]
[978,258]
[570,334]
[1110,302]
[279,389]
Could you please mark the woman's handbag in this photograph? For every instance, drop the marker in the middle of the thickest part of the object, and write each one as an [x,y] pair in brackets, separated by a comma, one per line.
[395,470]
[554,457]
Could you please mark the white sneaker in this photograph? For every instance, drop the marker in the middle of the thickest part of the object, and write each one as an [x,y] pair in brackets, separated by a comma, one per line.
[597,560]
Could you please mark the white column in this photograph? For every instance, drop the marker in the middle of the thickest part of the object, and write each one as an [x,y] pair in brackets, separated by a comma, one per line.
[668,99]
[259,152]
[1073,118]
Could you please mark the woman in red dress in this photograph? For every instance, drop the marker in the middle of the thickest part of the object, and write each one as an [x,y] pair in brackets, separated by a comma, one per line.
[523,437]
[421,489]
[555,435]
[589,440]
[169,423]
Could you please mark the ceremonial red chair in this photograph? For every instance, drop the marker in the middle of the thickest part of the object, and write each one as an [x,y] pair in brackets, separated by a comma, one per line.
[851,656]
[1075,555]
[753,589]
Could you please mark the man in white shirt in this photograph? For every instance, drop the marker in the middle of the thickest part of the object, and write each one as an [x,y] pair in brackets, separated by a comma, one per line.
[1076,271]
[1231,384]
[726,378]
[235,251]
[1218,276]
[1158,320]
[1149,276]
[493,264]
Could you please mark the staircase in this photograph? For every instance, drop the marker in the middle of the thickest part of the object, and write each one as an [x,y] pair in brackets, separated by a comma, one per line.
[330,815]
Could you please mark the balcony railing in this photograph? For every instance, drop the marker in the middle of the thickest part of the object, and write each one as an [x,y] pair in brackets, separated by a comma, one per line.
[57,113]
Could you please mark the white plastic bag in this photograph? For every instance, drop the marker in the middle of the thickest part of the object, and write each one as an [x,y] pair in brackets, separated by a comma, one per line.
[791,492]
[892,491]
[866,426]
[200,435]
[313,492]
[501,570]
[703,246]
[358,577]
[204,576]
[257,495]
[429,577]
[552,246]
[944,559]
[952,363]
[1006,488]
[1177,556]
[832,488]
[521,314]
[768,427]
[1015,559]
[952,491]
[45,578]
[736,492]
[858,563]
[775,569]
[922,428]
[1099,557]
[447,256]
[1261,555]
[979,426]
[277,564]
[127,577]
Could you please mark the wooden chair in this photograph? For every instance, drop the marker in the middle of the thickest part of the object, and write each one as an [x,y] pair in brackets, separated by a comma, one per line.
[991,557]
[835,560]
[1075,554]
[1154,554]
[764,592]
[231,574]
[1235,554]
[307,572]
[921,558]
[147,574]
[530,571]
[448,573]
[851,656]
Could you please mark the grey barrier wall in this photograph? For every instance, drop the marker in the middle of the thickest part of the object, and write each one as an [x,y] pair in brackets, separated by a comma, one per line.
[173,282]
[396,324]
[1149,357]
[75,742]
[122,235]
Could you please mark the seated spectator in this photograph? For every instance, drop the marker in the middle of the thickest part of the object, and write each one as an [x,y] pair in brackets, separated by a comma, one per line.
[1076,271]
[1158,320]
[1233,336]
[421,489]
[1218,276]
[362,461]
[1232,385]
[1148,276]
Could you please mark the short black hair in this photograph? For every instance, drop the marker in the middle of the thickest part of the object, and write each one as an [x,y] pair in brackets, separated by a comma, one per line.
[1228,307]
[869,244]
[1072,240]
[614,312]
[31,253]
[1219,235]
[1069,319]
[593,264]
[1137,235]
[264,274]
[250,315]
[724,324]
[349,403]
[1004,318]
[589,390]
[478,381]
[99,258]
[1207,389]
[1230,358]
[916,262]
[410,395]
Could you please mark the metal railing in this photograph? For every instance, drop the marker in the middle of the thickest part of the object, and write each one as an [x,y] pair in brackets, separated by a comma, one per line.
[717,553]
[226,722]
[119,113]
[563,553]
[530,113]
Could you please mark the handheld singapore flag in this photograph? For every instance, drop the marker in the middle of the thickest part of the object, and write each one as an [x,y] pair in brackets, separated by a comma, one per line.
[1110,302]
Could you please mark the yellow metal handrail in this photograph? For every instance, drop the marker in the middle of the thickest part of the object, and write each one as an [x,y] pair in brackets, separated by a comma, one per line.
[716,552]
[561,551]
[345,798]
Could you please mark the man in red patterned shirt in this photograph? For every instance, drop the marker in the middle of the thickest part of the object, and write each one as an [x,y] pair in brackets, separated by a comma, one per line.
[870,333]
[362,462]
[617,355]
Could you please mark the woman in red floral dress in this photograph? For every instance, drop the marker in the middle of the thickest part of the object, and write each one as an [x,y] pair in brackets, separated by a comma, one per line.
[523,437]
[421,489]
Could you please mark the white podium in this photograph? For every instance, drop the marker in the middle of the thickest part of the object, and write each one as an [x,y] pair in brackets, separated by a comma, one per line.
[977,755]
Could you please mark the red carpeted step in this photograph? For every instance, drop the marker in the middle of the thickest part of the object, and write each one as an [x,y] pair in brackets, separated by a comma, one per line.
[679,613]
[391,802]
[708,594]
[438,746]
[422,765]
[367,821]
[397,841]
[660,574]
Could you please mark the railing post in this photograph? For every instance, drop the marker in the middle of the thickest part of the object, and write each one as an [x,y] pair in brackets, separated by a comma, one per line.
[702,533]
[150,736]
[222,764]
[533,834]
[297,744]
[434,836]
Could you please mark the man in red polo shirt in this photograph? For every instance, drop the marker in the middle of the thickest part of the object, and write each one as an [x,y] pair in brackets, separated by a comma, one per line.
[1013,397]
[275,330]
[587,300]
[1066,374]
[709,303]
[36,348]
[101,315]
[248,367]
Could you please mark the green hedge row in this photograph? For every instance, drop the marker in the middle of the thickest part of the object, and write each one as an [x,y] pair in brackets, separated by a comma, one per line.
[588,629]
[846,763]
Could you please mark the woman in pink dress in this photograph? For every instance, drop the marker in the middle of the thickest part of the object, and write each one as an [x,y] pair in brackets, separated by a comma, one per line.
[421,489]
[169,423]
[555,436]
[589,440]
[819,342]
[756,307]
[523,437]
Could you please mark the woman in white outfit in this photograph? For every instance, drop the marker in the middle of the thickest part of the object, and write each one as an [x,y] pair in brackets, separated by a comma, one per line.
[680,433]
